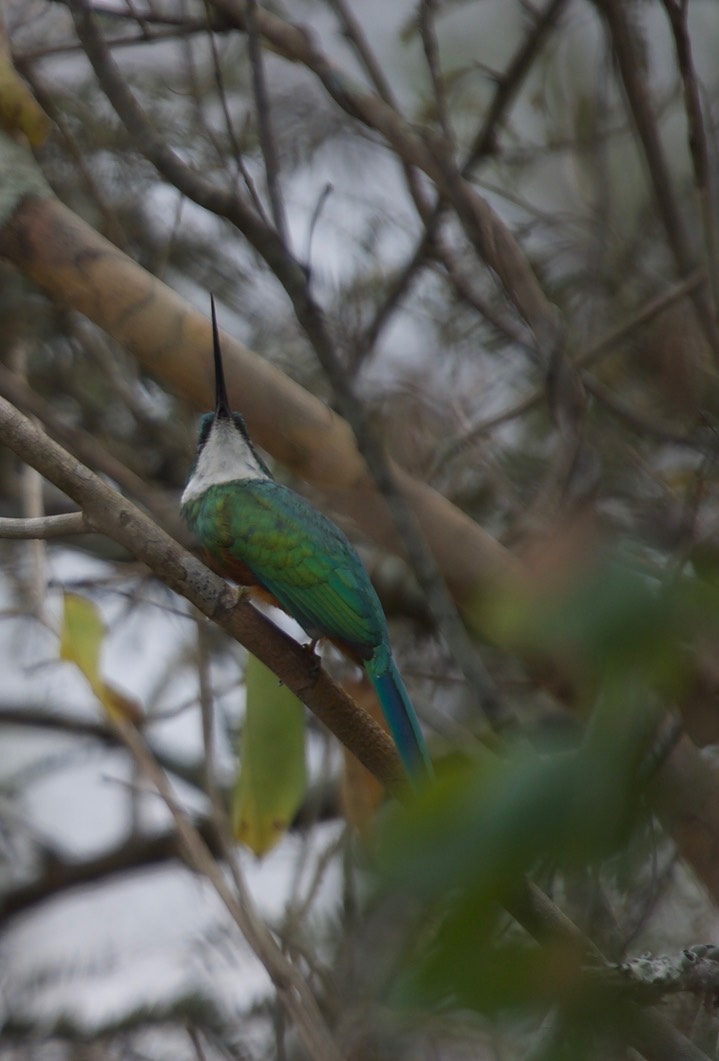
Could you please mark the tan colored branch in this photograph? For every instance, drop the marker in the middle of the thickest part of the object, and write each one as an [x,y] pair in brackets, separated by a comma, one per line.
[172,342]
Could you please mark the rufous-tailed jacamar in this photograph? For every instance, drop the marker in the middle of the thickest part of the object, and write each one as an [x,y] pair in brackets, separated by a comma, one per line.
[260,533]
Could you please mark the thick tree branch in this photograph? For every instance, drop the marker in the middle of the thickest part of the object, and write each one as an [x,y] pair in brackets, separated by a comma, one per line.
[172,342]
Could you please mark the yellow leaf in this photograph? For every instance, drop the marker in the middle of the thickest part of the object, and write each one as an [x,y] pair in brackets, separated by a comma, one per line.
[118,705]
[19,110]
[81,638]
[273,776]
[83,632]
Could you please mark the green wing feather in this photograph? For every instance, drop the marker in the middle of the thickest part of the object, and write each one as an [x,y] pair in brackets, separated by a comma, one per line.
[300,556]
[310,568]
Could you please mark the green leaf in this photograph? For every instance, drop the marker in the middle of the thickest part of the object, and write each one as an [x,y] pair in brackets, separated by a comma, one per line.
[616,620]
[462,848]
[273,775]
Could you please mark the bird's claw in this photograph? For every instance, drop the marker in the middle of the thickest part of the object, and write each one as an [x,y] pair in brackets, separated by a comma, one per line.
[315,660]
[230,598]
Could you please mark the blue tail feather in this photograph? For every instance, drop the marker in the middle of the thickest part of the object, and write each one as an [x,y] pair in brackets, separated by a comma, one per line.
[402,721]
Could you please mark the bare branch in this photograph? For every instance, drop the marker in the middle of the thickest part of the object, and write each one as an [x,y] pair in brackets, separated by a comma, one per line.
[44,527]
[697,136]
[264,124]
[292,989]
[60,874]
[491,238]
[601,347]
[430,44]
[431,246]
[636,89]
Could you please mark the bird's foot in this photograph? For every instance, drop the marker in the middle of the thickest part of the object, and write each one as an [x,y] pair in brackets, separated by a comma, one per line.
[315,659]
[230,598]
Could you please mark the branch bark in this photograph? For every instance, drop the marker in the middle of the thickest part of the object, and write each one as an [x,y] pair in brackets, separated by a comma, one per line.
[44,527]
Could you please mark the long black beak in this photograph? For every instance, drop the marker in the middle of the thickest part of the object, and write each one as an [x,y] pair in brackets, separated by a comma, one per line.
[222,406]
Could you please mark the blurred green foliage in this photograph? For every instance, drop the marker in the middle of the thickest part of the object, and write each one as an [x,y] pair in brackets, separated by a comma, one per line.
[572,817]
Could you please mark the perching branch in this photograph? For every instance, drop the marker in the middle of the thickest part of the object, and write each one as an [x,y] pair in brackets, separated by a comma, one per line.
[108,512]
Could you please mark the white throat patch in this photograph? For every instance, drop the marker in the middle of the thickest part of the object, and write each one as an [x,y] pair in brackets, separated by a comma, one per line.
[225,457]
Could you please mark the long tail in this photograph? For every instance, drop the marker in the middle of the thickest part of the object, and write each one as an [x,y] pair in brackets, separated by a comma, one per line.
[402,721]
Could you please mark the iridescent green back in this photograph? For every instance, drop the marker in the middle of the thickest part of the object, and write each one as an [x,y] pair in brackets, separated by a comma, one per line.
[299,555]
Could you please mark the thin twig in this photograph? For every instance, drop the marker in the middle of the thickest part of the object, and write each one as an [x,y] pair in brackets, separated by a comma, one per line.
[264,124]
[292,990]
[42,528]
[430,246]
[677,11]
[590,355]
[207,713]
[152,144]
[242,169]
[490,237]
[354,34]
[430,44]
[636,88]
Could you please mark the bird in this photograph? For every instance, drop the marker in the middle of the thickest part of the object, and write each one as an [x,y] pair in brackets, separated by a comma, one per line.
[263,535]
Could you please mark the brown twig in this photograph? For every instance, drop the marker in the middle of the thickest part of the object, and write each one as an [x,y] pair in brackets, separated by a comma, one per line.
[487,233]
[430,44]
[292,988]
[264,124]
[677,11]
[601,347]
[430,245]
[42,528]
[635,84]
